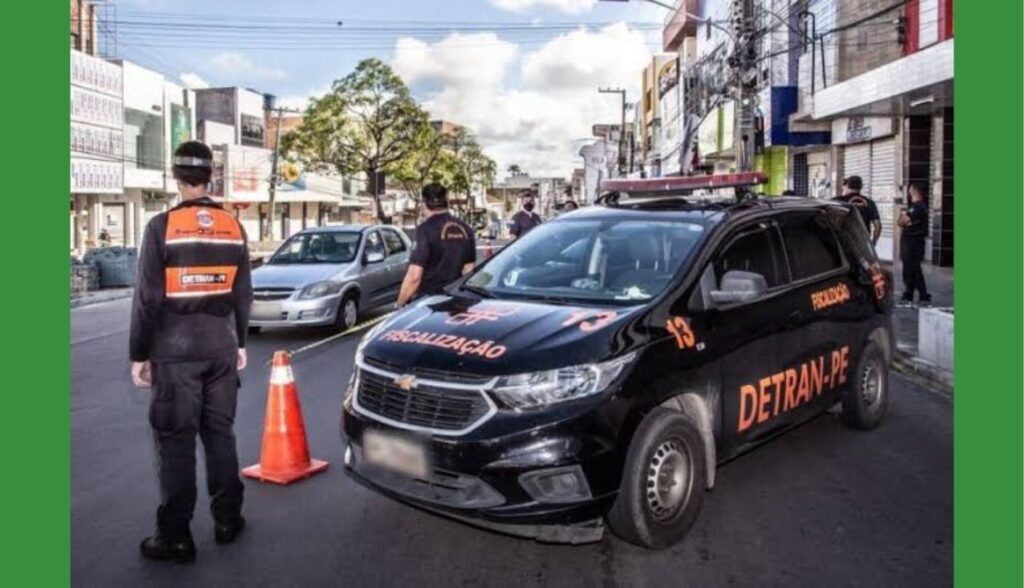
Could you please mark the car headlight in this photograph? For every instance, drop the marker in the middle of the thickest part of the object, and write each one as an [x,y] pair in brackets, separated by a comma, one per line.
[320,290]
[530,390]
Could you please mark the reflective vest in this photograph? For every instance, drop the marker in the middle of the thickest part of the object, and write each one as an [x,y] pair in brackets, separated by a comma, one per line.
[203,246]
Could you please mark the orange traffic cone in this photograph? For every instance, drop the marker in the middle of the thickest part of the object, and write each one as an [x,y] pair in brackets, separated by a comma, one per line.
[284,457]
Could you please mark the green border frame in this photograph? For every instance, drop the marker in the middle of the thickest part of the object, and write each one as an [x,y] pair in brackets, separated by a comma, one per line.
[988,360]
[36,429]
[989,353]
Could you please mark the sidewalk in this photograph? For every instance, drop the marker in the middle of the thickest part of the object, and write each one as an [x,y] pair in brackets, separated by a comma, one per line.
[905,323]
[97,296]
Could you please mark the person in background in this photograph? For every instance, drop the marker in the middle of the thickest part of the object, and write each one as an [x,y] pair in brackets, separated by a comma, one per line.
[445,249]
[914,221]
[570,206]
[526,219]
[189,320]
[865,205]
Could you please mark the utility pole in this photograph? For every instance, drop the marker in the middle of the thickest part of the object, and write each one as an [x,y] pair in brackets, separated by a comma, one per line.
[744,61]
[622,129]
[268,230]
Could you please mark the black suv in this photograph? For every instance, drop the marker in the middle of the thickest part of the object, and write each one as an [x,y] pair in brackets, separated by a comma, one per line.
[597,369]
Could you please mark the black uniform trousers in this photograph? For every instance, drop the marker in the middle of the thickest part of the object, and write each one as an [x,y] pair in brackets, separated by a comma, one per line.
[191,397]
[912,255]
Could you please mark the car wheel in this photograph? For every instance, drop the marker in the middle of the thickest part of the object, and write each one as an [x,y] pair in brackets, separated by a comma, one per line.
[348,312]
[663,483]
[255,330]
[867,400]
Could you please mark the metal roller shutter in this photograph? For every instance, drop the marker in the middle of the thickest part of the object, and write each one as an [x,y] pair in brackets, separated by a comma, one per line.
[857,162]
[883,190]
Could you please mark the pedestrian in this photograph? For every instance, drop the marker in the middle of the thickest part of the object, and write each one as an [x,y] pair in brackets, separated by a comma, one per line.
[570,206]
[526,219]
[865,205]
[914,221]
[187,342]
[445,249]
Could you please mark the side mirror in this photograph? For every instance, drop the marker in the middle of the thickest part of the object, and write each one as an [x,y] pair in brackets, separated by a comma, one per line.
[374,256]
[739,286]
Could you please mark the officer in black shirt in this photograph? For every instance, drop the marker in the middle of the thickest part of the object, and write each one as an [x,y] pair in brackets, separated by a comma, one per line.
[865,205]
[445,249]
[526,219]
[187,342]
[914,221]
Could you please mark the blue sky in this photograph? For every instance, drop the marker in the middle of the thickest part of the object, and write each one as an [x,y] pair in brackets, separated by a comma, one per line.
[529,91]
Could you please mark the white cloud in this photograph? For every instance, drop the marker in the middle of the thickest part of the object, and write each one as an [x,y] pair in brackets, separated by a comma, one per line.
[531,118]
[301,101]
[567,6]
[237,65]
[193,81]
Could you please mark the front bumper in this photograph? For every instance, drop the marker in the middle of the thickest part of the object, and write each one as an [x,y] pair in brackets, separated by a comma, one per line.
[294,313]
[478,478]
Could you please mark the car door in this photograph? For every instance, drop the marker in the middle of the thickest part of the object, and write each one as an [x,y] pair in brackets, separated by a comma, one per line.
[397,261]
[832,305]
[751,339]
[374,277]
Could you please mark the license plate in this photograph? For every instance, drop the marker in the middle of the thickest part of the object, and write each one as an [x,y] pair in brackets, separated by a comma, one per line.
[397,454]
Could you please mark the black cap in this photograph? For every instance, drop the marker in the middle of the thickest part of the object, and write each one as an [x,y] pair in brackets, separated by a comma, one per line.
[435,196]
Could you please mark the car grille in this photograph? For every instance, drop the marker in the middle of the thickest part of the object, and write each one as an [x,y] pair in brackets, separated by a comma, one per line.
[272,293]
[429,374]
[430,407]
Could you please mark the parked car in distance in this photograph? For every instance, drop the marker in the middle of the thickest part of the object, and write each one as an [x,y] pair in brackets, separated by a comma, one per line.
[327,276]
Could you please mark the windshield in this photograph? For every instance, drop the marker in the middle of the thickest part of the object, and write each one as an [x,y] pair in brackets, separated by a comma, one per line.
[591,260]
[326,247]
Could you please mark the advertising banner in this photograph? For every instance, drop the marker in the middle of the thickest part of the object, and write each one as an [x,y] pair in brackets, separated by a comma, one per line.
[181,125]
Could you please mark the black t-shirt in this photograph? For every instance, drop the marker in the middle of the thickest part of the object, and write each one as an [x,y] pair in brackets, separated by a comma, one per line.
[865,205]
[918,227]
[444,244]
[523,222]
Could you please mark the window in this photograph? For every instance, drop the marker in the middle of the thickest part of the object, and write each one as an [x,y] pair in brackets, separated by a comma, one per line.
[143,140]
[374,243]
[324,247]
[755,250]
[810,245]
[605,260]
[394,241]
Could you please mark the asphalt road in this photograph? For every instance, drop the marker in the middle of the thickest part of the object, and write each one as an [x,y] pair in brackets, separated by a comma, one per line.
[822,505]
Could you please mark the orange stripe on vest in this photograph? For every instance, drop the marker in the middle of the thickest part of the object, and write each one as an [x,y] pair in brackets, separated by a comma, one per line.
[198,224]
[200,281]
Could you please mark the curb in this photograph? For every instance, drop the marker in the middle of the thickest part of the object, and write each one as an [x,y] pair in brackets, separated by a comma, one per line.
[936,378]
[77,302]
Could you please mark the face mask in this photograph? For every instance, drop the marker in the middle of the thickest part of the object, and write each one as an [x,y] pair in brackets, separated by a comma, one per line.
[528,207]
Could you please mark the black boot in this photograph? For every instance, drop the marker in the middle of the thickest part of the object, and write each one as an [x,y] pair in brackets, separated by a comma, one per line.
[227,532]
[163,549]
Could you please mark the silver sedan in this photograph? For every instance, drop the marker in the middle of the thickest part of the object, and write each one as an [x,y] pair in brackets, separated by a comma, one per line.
[327,276]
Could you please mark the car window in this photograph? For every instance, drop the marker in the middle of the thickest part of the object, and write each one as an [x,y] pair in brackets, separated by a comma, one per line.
[753,250]
[322,247]
[394,241]
[810,244]
[607,260]
[374,244]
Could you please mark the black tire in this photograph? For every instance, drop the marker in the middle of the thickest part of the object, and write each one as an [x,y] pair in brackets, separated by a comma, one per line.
[643,515]
[343,320]
[255,330]
[867,400]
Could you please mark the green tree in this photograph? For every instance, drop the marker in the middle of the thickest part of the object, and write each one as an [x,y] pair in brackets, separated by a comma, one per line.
[428,161]
[474,169]
[368,122]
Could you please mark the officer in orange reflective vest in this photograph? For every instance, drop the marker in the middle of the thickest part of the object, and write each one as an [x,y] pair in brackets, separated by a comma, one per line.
[189,320]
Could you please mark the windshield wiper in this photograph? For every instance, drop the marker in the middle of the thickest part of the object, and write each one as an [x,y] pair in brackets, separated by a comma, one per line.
[478,290]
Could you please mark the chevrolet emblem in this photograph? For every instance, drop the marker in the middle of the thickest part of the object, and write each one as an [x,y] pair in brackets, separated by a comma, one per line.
[406,382]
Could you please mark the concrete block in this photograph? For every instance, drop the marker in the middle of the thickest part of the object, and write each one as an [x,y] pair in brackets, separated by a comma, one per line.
[935,336]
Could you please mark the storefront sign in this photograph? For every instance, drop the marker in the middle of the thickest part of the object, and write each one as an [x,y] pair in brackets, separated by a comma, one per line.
[181,125]
[94,108]
[668,77]
[857,129]
[96,141]
[252,131]
[95,74]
